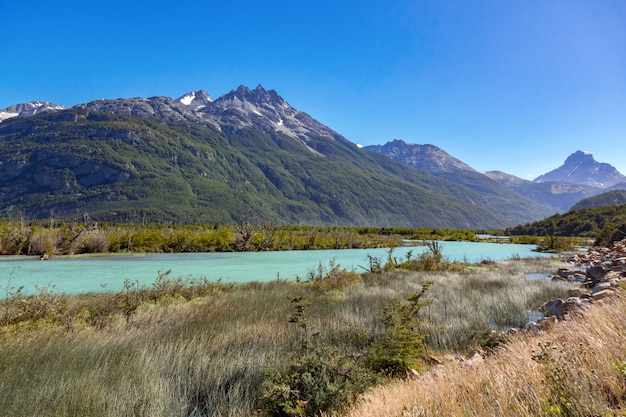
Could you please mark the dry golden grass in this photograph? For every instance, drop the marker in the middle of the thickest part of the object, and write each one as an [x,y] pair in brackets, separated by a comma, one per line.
[576,368]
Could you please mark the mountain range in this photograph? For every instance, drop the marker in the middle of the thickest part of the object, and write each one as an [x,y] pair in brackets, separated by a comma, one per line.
[578,178]
[245,156]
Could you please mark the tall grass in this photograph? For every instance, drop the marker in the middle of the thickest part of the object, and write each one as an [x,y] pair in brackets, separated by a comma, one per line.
[576,368]
[206,355]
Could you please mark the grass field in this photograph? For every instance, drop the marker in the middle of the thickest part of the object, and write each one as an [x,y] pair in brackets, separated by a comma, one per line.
[203,349]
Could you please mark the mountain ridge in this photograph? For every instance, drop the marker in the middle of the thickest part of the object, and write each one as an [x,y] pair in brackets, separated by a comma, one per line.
[439,163]
[124,159]
[281,147]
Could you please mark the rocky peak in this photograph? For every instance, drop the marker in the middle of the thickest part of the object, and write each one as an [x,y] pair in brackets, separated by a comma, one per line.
[29,109]
[581,168]
[195,100]
[264,109]
[427,157]
[259,96]
[258,108]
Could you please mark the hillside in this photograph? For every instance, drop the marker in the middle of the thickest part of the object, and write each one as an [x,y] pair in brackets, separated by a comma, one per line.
[174,167]
[572,368]
[249,156]
[610,198]
[598,223]
[517,207]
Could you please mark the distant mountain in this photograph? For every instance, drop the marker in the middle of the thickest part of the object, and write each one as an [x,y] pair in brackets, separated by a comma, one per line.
[560,195]
[578,178]
[246,156]
[427,157]
[489,193]
[29,109]
[581,168]
[610,198]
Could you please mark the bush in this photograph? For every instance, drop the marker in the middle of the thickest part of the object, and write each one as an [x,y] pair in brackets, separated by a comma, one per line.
[322,380]
[318,378]
[402,346]
[332,278]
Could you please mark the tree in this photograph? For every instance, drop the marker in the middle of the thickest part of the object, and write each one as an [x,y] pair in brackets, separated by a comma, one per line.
[402,346]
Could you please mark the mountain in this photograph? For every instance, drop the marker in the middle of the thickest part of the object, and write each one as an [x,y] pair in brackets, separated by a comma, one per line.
[246,156]
[427,157]
[29,109]
[196,100]
[581,168]
[578,178]
[560,195]
[488,192]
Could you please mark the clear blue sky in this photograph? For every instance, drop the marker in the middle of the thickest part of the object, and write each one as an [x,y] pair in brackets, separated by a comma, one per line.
[510,85]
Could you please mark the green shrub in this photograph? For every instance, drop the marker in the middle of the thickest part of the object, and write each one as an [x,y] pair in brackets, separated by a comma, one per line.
[322,380]
[402,346]
[318,378]
[332,278]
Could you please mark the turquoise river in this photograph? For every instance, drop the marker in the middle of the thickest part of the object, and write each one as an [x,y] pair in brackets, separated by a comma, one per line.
[84,274]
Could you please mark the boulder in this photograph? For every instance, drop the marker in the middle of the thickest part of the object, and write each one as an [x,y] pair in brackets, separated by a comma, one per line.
[602,295]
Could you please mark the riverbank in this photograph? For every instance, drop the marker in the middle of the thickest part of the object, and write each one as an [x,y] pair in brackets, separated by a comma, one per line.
[571,363]
[575,367]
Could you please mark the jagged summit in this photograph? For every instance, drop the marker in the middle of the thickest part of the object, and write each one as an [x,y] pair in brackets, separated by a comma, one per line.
[259,96]
[581,168]
[243,108]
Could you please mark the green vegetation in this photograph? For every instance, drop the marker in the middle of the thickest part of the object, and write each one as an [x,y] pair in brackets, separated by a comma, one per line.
[68,238]
[594,223]
[17,238]
[402,345]
[182,348]
[610,198]
[79,164]
[575,368]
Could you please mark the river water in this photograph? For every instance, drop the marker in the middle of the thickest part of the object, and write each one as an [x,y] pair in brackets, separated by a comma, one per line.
[72,275]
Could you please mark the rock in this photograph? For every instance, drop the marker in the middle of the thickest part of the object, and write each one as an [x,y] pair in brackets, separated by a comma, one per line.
[561,308]
[547,322]
[475,361]
[600,287]
[602,295]
[596,274]
[532,327]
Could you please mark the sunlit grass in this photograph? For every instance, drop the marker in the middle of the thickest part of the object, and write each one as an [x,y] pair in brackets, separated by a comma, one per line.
[175,355]
[575,368]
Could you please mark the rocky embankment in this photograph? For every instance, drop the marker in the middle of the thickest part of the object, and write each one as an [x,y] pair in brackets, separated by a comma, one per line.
[599,271]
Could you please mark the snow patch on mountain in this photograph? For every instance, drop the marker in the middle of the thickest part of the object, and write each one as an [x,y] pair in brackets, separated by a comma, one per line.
[7,115]
[186,100]
[195,100]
